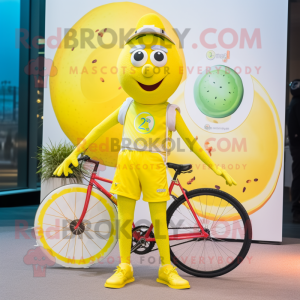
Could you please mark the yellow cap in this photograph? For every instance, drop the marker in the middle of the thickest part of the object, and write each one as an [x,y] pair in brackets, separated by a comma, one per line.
[150,24]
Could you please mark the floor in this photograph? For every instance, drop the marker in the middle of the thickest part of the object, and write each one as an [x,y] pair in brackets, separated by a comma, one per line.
[269,272]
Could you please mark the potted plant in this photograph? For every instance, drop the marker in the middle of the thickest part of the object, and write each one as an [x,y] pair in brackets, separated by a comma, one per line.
[49,158]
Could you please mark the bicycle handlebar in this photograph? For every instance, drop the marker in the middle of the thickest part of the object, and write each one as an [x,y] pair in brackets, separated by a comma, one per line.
[88,159]
[84,158]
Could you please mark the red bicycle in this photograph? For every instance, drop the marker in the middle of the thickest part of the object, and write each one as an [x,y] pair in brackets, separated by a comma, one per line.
[209,230]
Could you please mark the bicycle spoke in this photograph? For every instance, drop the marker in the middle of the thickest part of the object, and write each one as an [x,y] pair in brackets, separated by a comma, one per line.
[61,240]
[82,247]
[190,213]
[96,233]
[182,243]
[85,248]
[93,241]
[220,217]
[52,225]
[226,249]
[97,215]
[55,232]
[57,211]
[212,205]
[203,250]
[232,223]
[92,206]
[225,254]
[69,244]
[65,243]
[201,205]
[183,216]
[59,217]
[185,251]
[74,246]
[193,248]
[69,207]
[61,211]
[217,212]
[218,251]
[215,254]
[199,260]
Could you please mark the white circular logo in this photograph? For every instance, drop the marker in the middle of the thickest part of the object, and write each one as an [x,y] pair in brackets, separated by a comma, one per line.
[144,123]
[210,54]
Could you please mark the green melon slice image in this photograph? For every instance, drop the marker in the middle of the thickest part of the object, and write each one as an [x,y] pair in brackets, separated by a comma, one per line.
[218,94]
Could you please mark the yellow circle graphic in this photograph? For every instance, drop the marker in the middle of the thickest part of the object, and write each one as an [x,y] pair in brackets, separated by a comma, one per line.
[86,88]
[144,123]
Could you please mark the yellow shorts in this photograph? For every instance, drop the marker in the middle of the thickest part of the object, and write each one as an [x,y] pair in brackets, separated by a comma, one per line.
[141,171]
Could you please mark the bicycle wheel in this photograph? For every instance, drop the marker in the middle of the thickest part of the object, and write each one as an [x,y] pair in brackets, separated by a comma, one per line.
[57,216]
[223,218]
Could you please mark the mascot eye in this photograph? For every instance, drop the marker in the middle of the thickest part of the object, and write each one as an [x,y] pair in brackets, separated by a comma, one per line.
[158,58]
[139,58]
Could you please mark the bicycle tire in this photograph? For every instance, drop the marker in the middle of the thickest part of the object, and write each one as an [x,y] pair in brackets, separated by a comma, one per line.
[56,218]
[244,218]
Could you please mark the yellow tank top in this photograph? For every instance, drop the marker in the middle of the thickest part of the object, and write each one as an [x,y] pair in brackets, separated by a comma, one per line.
[147,127]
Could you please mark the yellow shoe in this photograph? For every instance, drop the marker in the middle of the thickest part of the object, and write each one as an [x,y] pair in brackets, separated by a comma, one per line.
[169,276]
[123,275]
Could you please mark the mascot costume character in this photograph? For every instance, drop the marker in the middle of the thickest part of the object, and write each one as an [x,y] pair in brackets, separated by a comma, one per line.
[150,70]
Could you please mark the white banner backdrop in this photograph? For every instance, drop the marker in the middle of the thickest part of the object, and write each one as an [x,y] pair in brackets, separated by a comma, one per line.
[244,36]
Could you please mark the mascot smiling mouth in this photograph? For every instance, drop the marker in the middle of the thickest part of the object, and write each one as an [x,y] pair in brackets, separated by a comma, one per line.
[150,88]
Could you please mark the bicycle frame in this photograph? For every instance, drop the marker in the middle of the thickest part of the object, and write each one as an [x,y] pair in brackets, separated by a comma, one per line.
[201,234]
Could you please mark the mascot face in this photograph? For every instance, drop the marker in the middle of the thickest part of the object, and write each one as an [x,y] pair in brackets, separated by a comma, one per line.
[150,69]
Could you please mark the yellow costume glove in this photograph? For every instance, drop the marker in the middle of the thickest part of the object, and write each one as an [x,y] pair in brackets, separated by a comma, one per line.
[198,150]
[96,132]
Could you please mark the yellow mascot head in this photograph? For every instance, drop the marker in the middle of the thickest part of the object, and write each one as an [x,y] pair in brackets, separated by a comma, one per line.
[149,67]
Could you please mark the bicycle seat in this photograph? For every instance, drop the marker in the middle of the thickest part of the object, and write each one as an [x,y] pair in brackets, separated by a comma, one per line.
[180,168]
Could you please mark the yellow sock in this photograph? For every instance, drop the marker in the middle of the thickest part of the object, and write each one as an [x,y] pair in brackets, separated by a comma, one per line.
[126,208]
[158,212]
